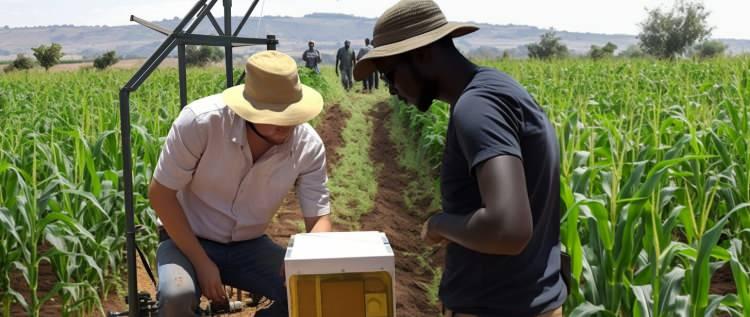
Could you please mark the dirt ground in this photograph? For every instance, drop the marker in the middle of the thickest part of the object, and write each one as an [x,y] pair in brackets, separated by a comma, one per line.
[402,227]
[47,280]
[722,282]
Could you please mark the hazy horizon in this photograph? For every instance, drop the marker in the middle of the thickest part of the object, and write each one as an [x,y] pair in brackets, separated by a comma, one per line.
[728,17]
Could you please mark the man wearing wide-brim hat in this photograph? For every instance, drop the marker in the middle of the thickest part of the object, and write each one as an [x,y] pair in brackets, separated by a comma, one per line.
[500,171]
[227,164]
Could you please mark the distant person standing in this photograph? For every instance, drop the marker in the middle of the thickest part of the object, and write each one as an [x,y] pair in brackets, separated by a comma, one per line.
[312,57]
[368,82]
[345,60]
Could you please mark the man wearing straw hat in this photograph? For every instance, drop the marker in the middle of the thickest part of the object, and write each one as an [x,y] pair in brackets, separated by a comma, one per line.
[227,164]
[500,171]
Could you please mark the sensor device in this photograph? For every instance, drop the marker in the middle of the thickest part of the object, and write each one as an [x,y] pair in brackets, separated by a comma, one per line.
[340,274]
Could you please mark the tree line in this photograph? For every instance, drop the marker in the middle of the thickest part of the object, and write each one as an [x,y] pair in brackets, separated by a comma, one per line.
[48,56]
[663,34]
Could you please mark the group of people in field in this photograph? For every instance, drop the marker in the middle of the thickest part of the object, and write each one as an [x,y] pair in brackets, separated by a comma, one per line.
[230,159]
[346,59]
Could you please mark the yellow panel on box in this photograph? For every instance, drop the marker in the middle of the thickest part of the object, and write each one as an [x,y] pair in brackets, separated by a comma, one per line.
[340,275]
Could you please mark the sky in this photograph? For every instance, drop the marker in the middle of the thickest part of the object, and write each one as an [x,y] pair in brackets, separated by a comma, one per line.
[729,17]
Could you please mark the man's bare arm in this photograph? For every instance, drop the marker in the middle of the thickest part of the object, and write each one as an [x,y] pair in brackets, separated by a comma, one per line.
[164,201]
[504,226]
[318,224]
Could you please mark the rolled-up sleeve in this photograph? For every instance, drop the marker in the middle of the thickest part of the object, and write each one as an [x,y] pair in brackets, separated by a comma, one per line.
[182,151]
[312,188]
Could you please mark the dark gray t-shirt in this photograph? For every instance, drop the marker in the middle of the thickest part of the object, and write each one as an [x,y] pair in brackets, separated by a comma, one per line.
[347,58]
[311,58]
[496,116]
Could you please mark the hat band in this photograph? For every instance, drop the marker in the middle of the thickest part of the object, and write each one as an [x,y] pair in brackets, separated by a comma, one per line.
[269,106]
[397,33]
[280,92]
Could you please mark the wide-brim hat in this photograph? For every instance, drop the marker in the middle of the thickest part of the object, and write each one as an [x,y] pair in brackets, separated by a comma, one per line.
[408,25]
[273,93]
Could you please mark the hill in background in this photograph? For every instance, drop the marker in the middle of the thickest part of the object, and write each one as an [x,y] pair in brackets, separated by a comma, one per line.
[328,30]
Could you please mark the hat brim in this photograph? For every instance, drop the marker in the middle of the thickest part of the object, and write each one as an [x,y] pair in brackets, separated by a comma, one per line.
[297,113]
[366,65]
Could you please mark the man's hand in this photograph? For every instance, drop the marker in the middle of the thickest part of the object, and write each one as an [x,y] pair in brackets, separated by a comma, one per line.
[337,72]
[430,236]
[209,280]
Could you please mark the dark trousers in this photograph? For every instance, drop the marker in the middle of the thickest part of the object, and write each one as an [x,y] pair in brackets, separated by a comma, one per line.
[370,81]
[252,265]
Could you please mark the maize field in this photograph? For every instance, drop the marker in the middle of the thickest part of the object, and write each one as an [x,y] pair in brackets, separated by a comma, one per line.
[654,179]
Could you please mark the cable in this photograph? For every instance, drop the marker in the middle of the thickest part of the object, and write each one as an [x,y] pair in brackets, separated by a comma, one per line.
[260,19]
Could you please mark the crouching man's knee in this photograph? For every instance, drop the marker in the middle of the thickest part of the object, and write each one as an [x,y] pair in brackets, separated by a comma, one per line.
[178,296]
[178,302]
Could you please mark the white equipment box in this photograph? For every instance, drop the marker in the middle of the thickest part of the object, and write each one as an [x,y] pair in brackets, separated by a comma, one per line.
[340,274]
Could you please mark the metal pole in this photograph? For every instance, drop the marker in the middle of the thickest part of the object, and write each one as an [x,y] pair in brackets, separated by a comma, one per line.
[219,40]
[162,51]
[127,174]
[150,25]
[271,46]
[127,159]
[214,23]
[182,73]
[201,14]
[244,19]
[228,48]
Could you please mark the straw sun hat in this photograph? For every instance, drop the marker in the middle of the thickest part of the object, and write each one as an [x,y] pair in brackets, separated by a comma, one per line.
[272,93]
[408,25]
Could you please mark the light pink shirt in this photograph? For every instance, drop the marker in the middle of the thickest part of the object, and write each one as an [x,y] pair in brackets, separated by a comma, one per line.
[225,195]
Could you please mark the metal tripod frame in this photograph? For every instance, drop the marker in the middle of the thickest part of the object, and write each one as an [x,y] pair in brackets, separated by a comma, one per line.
[179,37]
